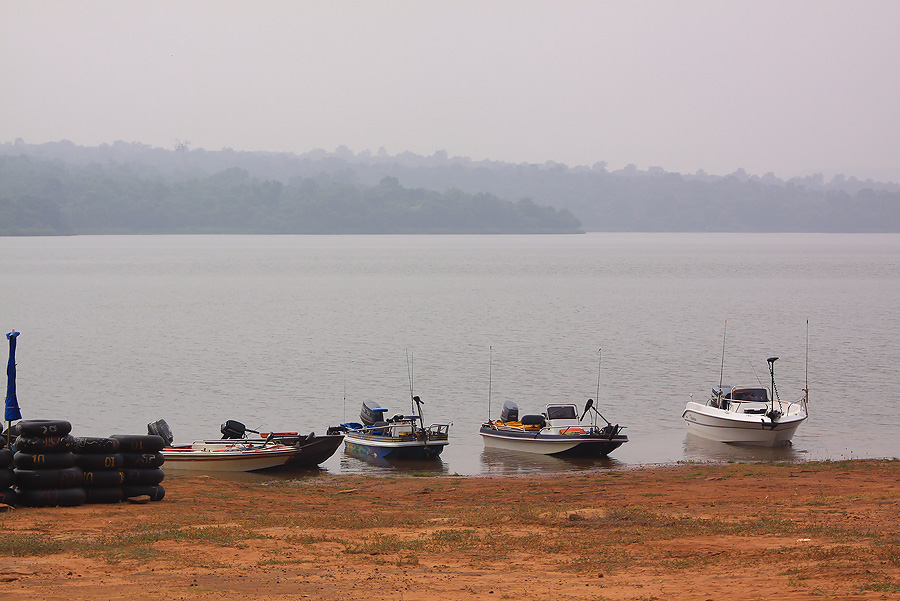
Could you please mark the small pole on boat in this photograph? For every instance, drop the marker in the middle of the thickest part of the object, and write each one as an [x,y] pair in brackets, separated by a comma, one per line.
[806,384]
[490,378]
[599,363]
[722,366]
[771,361]
[414,401]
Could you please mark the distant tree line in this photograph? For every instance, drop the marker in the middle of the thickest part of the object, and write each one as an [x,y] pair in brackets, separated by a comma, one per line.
[127,187]
[44,197]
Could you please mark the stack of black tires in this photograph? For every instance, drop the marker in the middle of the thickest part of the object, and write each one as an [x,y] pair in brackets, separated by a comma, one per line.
[102,464]
[7,476]
[143,461]
[45,470]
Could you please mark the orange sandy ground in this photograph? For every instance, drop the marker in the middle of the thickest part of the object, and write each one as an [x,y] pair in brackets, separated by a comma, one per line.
[694,531]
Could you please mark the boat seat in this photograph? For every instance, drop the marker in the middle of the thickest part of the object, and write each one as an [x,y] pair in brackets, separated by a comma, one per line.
[534,421]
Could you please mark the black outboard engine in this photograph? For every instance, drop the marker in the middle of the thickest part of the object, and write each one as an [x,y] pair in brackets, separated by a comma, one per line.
[161,428]
[232,429]
[510,412]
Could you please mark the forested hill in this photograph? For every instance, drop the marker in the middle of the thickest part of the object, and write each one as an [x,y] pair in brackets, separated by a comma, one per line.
[41,197]
[131,187]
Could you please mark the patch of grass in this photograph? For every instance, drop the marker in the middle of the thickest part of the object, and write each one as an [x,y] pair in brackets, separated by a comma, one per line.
[32,545]
[385,544]
[879,587]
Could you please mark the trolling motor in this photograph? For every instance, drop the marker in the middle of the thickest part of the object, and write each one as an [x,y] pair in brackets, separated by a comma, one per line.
[608,430]
[773,414]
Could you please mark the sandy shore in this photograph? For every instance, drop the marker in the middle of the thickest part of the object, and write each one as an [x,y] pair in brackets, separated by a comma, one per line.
[694,531]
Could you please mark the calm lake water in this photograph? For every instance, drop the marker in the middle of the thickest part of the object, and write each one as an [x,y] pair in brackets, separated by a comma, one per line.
[293,332]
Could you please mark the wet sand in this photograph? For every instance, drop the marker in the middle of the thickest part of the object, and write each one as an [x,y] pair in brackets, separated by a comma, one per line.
[689,531]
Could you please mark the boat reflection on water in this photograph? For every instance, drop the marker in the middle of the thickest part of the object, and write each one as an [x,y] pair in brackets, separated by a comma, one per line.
[701,449]
[361,463]
[498,462]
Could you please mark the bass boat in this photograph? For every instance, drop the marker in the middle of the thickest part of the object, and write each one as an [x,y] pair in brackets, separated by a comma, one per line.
[404,437]
[557,431]
[238,452]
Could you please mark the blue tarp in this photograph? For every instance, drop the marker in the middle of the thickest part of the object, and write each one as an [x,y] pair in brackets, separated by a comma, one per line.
[11,406]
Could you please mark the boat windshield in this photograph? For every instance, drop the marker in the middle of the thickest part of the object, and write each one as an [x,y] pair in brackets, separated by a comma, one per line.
[561,412]
[748,394]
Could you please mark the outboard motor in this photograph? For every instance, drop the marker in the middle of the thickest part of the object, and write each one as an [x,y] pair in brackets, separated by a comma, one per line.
[232,429]
[371,414]
[510,412]
[161,428]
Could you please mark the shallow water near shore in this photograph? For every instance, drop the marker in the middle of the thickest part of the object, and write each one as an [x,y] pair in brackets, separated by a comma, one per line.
[293,332]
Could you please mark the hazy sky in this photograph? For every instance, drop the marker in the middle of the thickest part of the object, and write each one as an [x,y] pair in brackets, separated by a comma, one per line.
[791,87]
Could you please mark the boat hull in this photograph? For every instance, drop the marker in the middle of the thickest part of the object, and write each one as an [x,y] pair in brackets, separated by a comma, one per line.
[389,448]
[735,428]
[552,444]
[316,450]
[226,459]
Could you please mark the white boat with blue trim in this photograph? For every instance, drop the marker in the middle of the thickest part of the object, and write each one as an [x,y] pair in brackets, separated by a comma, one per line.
[404,437]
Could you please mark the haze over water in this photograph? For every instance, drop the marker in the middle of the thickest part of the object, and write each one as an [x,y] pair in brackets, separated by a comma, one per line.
[293,332]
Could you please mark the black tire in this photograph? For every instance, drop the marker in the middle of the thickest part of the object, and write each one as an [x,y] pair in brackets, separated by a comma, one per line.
[149,476]
[8,496]
[7,478]
[103,478]
[62,478]
[6,458]
[42,444]
[93,444]
[139,443]
[144,460]
[43,461]
[43,427]
[51,497]
[98,461]
[104,495]
[156,492]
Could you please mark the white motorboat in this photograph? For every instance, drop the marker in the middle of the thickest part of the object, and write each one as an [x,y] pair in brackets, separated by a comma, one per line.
[236,452]
[747,415]
[227,456]
[558,431]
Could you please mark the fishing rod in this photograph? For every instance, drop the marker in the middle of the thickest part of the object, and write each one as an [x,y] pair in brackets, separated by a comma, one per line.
[806,384]
[415,401]
[722,367]
[490,378]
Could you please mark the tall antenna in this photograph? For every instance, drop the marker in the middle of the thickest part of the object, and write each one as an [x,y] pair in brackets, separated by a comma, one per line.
[599,363]
[490,378]
[806,385]
[409,373]
[722,368]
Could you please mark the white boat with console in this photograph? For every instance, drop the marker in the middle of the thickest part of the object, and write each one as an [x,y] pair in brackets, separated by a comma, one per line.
[747,415]
[557,431]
